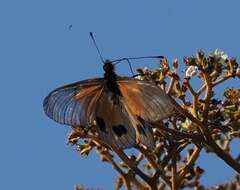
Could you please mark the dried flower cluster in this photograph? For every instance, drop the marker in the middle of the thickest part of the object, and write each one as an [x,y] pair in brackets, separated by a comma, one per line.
[202,121]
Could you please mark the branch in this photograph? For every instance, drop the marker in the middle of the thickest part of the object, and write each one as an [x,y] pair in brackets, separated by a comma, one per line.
[224,155]
[194,156]
[171,85]
[174,174]
[207,100]
[133,166]
[209,141]
[164,162]
[189,86]
[154,164]
[196,138]
[124,176]
[201,90]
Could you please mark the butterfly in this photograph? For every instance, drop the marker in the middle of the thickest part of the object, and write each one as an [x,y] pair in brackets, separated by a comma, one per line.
[122,108]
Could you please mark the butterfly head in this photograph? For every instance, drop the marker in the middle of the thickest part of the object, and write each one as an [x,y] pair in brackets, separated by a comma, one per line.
[108,66]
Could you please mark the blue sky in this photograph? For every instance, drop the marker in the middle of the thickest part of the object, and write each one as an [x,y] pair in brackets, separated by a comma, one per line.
[38,52]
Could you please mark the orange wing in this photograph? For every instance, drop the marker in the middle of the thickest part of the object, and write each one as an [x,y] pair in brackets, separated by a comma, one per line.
[145,103]
[114,124]
[145,99]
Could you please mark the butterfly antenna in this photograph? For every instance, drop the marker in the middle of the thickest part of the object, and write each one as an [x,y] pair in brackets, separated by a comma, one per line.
[144,57]
[130,66]
[129,63]
[95,44]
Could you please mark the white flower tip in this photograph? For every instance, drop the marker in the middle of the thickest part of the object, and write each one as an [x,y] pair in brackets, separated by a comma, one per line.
[191,71]
[219,54]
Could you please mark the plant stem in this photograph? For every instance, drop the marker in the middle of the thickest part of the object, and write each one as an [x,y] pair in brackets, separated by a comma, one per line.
[174,174]
[133,166]
[194,156]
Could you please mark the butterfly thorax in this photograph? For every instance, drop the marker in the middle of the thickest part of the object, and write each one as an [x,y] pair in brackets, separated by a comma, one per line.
[111,79]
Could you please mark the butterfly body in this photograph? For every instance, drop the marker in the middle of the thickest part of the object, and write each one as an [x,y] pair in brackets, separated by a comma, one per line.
[110,78]
[121,107]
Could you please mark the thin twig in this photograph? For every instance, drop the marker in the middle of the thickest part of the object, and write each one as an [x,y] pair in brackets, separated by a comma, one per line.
[174,174]
[224,155]
[137,184]
[171,85]
[154,165]
[190,87]
[207,99]
[196,138]
[149,157]
[164,162]
[127,177]
[201,90]
[124,176]
[194,156]
[132,165]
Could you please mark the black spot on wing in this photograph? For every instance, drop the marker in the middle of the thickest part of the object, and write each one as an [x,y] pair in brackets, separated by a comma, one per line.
[119,130]
[101,124]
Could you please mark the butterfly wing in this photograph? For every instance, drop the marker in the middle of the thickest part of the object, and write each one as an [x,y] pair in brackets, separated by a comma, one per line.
[146,103]
[145,99]
[74,104]
[114,124]
[144,133]
[87,101]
